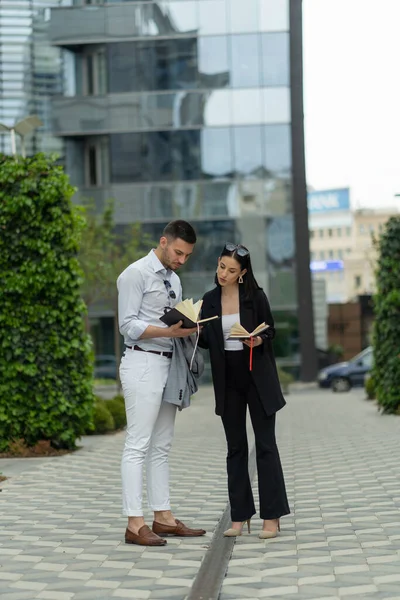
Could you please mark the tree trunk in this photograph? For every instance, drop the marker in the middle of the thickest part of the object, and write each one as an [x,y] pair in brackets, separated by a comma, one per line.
[117,344]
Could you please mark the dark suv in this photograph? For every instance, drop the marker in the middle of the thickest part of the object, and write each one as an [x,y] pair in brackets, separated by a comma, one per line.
[345,375]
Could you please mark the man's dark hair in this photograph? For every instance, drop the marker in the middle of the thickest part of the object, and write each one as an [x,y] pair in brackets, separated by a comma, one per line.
[182,230]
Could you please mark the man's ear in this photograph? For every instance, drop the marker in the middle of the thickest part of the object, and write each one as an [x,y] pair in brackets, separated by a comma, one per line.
[163,242]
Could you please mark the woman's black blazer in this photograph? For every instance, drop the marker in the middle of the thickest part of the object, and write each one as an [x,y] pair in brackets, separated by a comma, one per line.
[264,373]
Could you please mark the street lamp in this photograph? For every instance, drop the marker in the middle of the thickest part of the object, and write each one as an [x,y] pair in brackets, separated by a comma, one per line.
[23,128]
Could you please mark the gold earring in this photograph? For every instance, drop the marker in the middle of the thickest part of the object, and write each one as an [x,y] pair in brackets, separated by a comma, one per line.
[240,280]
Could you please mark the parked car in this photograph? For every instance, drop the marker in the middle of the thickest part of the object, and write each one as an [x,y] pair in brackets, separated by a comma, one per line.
[341,377]
[105,366]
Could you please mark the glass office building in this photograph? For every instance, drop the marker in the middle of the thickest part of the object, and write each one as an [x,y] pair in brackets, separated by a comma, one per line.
[185,109]
[31,71]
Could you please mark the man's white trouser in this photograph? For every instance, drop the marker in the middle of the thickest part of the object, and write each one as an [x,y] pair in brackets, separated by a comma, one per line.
[149,432]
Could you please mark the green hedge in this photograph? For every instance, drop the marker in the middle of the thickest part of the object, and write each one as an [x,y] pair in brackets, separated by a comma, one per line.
[102,418]
[386,342]
[45,356]
[116,406]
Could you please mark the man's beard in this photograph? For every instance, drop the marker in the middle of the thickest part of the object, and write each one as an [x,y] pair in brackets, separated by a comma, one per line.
[167,262]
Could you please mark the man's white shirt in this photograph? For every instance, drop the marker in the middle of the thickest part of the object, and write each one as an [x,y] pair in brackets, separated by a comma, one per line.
[142,298]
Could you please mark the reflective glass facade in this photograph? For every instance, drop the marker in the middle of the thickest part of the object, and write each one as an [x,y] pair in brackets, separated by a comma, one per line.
[30,70]
[182,109]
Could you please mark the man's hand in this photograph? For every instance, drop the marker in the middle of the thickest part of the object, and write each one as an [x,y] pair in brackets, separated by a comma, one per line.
[257,341]
[176,331]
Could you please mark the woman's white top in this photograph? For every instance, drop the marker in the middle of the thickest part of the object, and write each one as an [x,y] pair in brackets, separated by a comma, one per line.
[227,322]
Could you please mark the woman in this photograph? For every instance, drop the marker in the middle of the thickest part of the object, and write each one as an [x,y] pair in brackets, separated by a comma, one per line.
[238,298]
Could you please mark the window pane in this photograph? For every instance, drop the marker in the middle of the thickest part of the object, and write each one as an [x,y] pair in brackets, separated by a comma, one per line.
[186,155]
[180,17]
[246,107]
[276,103]
[153,65]
[212,17]
[155,156]
[89,75]
[216,152]
[213,61]
[277,149]
[126,157]
[274,15]
[218,106]
[245,55]
[275,59]
[158,156]
[243,15]
[248,150]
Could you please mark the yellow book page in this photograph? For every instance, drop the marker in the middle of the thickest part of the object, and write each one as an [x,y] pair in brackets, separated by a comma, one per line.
[190,310]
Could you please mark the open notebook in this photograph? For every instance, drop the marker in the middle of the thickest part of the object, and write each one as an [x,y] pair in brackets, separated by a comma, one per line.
[238,332]
[187,312]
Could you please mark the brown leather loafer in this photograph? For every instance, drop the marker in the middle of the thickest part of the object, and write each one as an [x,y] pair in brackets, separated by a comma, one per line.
[179,529]
[145,537]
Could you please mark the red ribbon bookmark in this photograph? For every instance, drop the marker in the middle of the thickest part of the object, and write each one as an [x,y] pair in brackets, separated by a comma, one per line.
[251,354]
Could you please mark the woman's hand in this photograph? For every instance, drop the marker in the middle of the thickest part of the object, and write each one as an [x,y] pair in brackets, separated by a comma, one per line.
[257,341]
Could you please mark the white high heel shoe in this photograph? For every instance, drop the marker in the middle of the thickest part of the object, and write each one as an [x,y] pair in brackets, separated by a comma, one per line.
[236,532]
[270,533]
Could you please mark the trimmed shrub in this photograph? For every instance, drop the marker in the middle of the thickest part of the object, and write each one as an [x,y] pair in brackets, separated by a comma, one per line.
[386,371]
[285,379]
[370,387]
[116,406]
[102,418]
[45,355]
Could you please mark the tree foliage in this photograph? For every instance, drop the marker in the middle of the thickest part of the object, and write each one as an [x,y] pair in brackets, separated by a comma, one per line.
[386,342]
[45,355]
[104,253]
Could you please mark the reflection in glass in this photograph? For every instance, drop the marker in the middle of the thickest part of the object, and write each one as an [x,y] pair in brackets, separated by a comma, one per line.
[217,109]
[153,65]
[245,57]
[274,15]
[213,61]
[243,15]
[277,149]
[275,59]
[213,17]
[216,152]
[246,105]
[176,16]
[155,156]
[276,104]
[247,150]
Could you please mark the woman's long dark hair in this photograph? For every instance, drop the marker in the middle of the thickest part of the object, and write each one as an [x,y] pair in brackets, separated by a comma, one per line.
[250,284]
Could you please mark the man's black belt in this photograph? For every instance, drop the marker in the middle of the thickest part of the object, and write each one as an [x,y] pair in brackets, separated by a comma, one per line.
[166,354]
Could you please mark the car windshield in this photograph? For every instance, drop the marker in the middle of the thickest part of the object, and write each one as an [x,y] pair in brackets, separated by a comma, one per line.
[365,357]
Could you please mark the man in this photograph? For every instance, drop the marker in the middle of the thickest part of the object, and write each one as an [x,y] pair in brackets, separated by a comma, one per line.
[145,289]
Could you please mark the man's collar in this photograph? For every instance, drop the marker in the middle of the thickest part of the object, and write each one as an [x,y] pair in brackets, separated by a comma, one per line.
[156,263]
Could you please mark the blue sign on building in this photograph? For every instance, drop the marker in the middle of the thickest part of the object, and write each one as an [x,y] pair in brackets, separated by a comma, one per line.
[329,200]
[322,266]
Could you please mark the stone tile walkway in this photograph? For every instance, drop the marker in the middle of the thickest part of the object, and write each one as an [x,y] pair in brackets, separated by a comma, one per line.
[61,533]
[342,467]
[61,530]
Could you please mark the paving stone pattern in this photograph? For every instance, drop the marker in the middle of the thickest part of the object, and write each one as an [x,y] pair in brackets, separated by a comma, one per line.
[61,531]
[342,467]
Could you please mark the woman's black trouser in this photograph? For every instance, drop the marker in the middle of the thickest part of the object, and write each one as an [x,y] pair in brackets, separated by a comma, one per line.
[240,392]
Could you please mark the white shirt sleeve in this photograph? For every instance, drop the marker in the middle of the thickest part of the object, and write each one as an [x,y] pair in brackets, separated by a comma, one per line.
[130,295]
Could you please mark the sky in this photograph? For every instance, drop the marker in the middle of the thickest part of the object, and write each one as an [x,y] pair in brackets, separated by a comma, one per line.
[352,98]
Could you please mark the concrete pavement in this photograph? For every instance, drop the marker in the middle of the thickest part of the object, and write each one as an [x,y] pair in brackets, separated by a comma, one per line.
[61,533]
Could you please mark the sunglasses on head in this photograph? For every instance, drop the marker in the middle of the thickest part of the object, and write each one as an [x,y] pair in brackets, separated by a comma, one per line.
[168,286]
[237,248]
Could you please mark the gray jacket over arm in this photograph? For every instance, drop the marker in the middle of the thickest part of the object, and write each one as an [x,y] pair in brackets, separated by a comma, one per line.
[182,382]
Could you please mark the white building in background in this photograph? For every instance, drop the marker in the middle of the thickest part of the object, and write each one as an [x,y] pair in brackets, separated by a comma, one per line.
[341,243]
